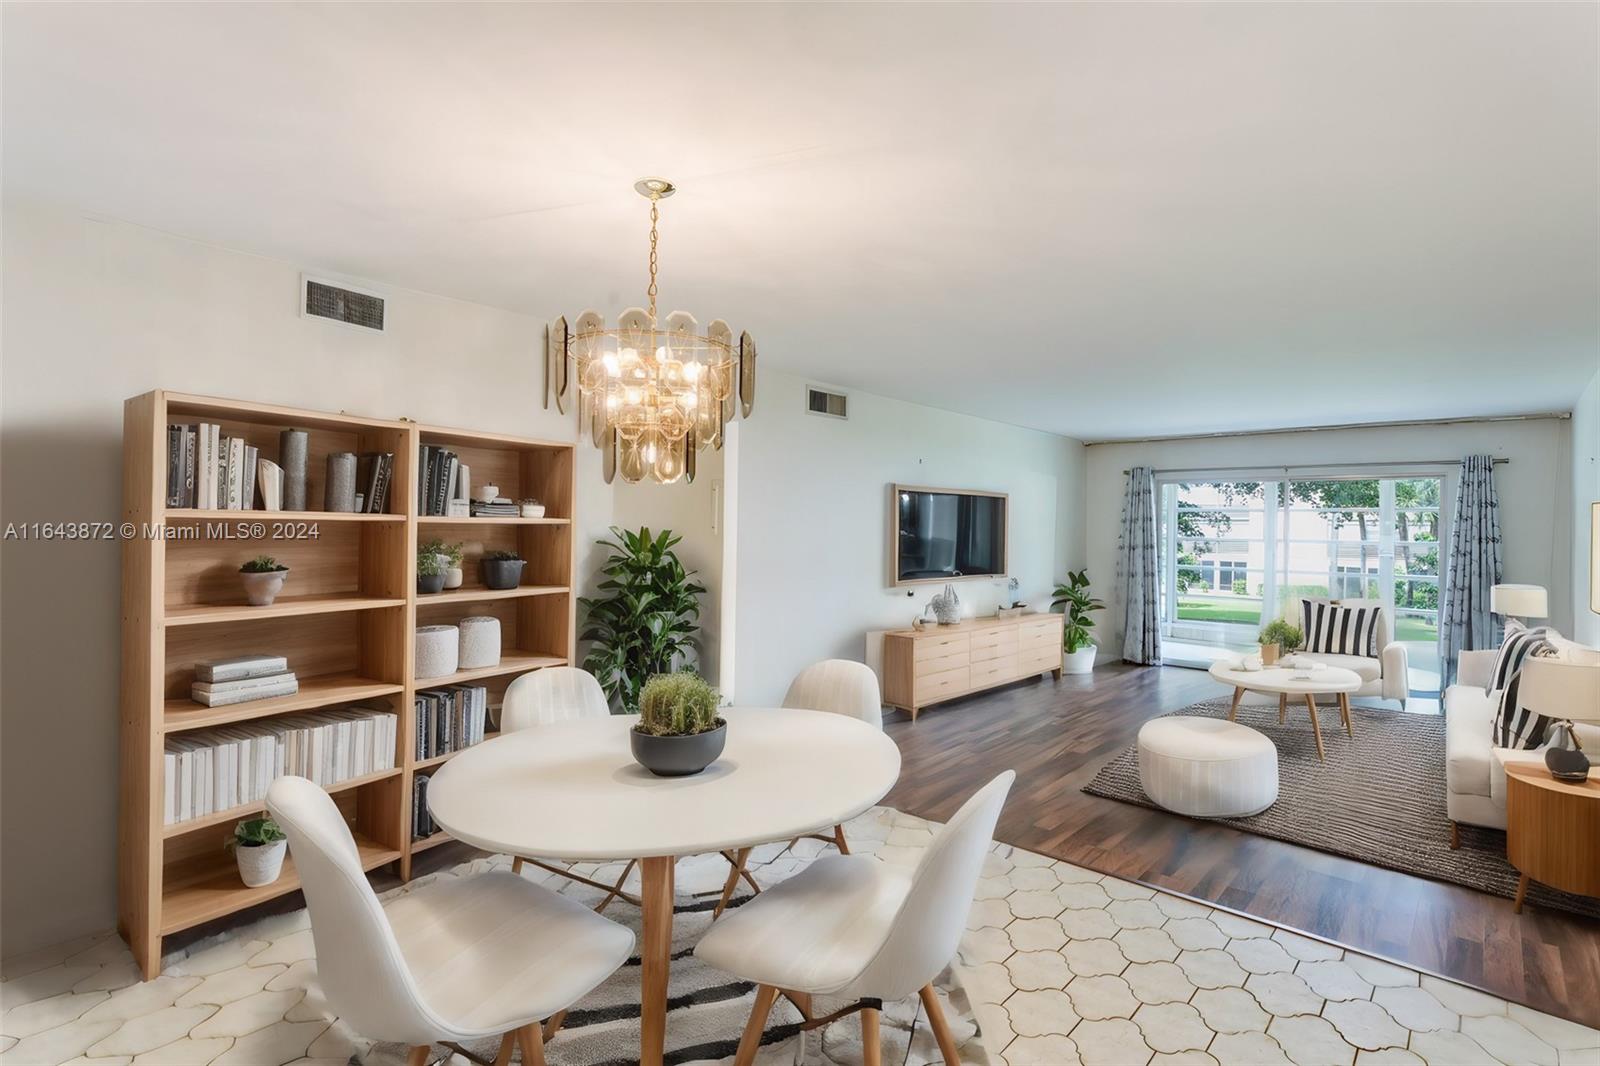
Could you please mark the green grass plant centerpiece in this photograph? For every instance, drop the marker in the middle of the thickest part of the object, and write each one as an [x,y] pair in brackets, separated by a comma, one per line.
[680,731]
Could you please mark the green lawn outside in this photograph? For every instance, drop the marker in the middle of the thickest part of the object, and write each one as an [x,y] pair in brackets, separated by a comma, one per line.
[1248,612]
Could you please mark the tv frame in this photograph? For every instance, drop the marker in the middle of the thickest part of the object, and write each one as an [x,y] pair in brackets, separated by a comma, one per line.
[894,535]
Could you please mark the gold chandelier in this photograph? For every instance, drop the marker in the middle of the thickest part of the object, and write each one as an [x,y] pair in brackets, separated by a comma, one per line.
[651,394]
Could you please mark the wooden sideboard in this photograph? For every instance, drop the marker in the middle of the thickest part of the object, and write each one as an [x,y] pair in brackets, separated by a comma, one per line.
[938,663]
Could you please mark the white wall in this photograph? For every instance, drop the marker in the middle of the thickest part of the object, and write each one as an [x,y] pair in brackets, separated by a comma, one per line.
[1585,431]
[97,311]
[1534,524]
[812,502]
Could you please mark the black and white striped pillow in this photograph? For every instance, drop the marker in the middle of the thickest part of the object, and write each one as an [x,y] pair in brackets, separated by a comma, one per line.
[1516,726]
[1335,630]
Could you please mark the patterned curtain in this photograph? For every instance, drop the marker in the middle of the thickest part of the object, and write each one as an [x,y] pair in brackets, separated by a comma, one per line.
[1138,582]
[1465,623]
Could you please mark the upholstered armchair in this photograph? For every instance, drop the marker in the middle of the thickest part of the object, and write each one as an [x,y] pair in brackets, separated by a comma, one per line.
[1385,677]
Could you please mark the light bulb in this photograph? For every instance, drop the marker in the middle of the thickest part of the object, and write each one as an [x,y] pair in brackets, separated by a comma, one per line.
[650,454]
[611,401]
[633,395]
[691,370]
[690,400]
[613,367]
[661,352]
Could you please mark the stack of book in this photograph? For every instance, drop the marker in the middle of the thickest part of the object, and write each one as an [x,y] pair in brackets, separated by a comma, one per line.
[214,770]
[242,679]
[421,821]
[209,471]
[441,477]
[374,471]
[449,719]
[500,507]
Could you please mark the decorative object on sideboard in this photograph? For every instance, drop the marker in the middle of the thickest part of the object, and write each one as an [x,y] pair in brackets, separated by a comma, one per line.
[1013,606]
[263,579]
[1566,692]
[1072,596]
[680,732]
[258,844]
[339,491]
[946,606]
[645,619]
[293,447]
[696,379]
[531,508]
[449,555]
[480,642]
[1279,637]
[501,569]
[430,572]
[438,651]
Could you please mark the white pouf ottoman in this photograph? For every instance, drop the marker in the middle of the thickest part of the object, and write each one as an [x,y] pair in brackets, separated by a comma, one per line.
[1207,767]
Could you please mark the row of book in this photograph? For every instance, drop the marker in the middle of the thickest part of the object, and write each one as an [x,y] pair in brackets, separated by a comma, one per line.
[422,824]
[215,770]
[449,719]
[210,471]
[441,477]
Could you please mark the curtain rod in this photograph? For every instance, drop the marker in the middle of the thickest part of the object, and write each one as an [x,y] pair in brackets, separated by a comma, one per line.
[1397,424]
[1313,466]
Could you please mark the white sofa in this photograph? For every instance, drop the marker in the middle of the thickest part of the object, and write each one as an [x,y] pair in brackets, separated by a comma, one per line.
[1475,780]
[1386,677]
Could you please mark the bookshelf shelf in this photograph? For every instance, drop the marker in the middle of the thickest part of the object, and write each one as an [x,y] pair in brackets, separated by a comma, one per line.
[441,837]
[233,814]
[284,606]
[346,625]
[181,713]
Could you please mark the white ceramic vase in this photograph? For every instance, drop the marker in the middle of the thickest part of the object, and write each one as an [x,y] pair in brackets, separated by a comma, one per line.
[262,588]
[438,651]
[261,864]
[480,642]
[1080,661]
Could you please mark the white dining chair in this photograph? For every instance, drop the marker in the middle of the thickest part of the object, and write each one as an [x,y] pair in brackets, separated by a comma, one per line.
[461,959]
[857,928]
[837,686]
[544,697]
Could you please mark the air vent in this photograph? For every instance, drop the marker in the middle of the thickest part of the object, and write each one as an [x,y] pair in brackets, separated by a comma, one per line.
[832,404]
[339,304]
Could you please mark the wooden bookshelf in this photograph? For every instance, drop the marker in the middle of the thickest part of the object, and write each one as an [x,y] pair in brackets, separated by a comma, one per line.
[346,621]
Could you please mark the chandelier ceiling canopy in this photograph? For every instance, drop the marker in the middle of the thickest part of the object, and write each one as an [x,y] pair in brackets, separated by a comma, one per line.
[651,392]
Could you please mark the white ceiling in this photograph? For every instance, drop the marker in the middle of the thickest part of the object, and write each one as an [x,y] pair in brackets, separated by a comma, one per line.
[1106,221]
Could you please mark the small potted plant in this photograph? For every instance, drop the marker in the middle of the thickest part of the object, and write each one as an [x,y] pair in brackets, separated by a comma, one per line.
[263,579]
[258,844]
[449,558]
[679,731]
[501,569]
[1279,636]
[430,572]
[1072,596]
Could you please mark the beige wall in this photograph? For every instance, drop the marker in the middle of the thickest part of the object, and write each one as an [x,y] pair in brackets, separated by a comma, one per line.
[98,311]
[1533,488]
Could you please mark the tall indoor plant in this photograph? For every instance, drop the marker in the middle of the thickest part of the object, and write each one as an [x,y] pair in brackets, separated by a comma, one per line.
[1072,596]
[646,616]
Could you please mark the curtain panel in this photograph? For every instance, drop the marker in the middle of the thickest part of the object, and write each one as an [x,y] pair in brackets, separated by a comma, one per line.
[1472,569]
[1138,580]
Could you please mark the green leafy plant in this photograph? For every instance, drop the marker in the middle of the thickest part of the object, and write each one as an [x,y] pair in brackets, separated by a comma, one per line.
[646,616]
[451,552]
[256,832]
[1072,596]
[262,564]
[503,556]
[1282,632]
[678,705]
[429,565]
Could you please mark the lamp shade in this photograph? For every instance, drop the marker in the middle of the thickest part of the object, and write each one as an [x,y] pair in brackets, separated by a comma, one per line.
[1519,601]
[1557,688]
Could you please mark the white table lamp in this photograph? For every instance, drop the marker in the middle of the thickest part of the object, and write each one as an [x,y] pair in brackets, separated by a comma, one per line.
[1568,692]
[1519,601]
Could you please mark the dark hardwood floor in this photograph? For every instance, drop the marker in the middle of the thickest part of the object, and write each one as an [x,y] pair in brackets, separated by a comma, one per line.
[1057,734]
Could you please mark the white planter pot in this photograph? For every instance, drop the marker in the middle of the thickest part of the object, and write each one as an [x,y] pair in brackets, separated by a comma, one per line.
[261,864]
[260,589]
[452,574]
[1080,661]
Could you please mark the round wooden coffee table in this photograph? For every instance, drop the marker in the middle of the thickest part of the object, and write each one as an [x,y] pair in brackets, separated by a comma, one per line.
[1552,829]
[1280,680]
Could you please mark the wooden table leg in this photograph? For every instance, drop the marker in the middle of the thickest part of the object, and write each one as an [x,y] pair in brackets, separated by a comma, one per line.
[1316,729]
[1233,711]
[655,957]
[1522,892]
[1283,708]
[1344,709]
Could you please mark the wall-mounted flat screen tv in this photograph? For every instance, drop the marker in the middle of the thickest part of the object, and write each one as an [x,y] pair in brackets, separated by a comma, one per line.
[942,534]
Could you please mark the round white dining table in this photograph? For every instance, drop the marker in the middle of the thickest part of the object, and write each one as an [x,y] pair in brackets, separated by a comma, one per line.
[571,790]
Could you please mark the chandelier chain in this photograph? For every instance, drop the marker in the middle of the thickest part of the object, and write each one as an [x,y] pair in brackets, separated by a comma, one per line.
[655,216]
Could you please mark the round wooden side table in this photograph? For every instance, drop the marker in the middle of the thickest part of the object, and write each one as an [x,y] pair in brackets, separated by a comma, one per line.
[1552,830]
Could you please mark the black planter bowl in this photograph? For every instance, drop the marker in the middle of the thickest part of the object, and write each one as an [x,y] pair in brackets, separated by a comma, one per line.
[678,756]
[430,583]
[501,573]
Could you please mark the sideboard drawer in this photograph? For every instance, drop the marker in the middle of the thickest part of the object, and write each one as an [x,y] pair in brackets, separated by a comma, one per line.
[940,646]
[1038,660]
[934,687]
[1004,644]
[1038,635]
[995,671]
